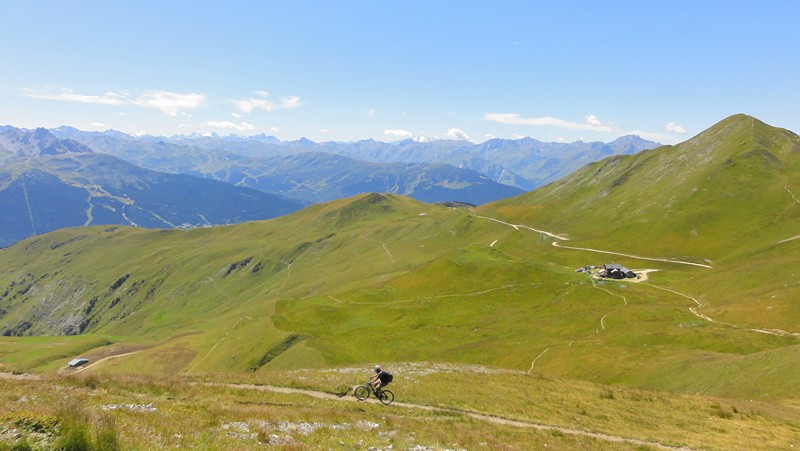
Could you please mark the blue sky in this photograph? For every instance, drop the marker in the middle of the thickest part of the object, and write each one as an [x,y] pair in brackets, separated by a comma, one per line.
[351,70]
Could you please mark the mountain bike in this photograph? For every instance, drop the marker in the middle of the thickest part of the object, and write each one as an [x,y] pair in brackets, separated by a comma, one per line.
[362,392]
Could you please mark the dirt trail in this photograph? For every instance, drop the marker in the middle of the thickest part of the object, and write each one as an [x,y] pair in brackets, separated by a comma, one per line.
[383,244]
[476,415]
[694,311]
[520,226]
[220,341]
[97,362]
[564,238]
[638,257]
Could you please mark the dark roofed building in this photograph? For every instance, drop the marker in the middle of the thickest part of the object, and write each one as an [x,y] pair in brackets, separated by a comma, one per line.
[617,271]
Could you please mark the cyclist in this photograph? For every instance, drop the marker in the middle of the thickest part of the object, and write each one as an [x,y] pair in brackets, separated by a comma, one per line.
[379,380]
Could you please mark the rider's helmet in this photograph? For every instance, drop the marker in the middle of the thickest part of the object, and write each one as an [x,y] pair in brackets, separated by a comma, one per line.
[377,368]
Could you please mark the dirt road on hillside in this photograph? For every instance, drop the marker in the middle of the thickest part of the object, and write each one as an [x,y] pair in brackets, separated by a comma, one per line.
[476,415]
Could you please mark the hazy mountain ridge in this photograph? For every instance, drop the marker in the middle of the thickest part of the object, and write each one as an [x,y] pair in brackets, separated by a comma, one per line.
[294,169]
[525,163]
[47,183]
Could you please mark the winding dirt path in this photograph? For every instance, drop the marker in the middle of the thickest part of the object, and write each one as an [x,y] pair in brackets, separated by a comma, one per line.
[220,341]
[537,358]
[520,226]
[638,257]
[494,419]
[99,361]
[383,244]
[564,238]
[694,311]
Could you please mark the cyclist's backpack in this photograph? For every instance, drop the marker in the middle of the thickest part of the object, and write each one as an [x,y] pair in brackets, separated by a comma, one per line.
[389,377]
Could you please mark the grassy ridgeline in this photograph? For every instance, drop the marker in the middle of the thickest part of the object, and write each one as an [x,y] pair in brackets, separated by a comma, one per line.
[439,406]
[385,278]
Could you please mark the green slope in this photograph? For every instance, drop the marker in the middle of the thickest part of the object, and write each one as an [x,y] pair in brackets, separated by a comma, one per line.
[379,278]
[725,198]
[721,193]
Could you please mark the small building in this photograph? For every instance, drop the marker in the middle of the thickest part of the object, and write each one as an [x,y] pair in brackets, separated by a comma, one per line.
[74,363]
[617,271]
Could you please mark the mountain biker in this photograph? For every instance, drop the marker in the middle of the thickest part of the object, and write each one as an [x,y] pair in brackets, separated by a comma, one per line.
[379,380]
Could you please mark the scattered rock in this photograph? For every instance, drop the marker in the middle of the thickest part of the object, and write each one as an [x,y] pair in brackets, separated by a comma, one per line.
[136,407]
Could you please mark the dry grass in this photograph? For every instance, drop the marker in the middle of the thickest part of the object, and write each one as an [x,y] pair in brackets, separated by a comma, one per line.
[435,408]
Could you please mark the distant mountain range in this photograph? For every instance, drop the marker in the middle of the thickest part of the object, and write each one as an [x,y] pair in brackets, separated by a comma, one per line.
[47,183]
[299,169]
[65,177]
[523,163]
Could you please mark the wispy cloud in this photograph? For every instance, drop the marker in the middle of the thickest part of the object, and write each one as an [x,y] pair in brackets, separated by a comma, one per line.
[457,133]
[69,95]
[171,103]
[228,125]
[591,123]
[97,125]
[290,102]
[248,105]
[399,133]
[261,103]
[675,128]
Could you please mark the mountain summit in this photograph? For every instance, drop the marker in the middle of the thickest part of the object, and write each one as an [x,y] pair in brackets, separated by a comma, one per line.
[729,187]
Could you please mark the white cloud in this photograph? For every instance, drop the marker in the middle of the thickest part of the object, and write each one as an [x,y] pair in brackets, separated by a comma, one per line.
[273,129]
[69,95]
[97,125]
[457,133]
[518,136]
[591,124]
[675,128]
[228,125]
[250,104]
[561,139]
[170,103]
[398,133]
[370,113]
[592,120]
[489,136]
[325,130]
[237,115]
[291,102]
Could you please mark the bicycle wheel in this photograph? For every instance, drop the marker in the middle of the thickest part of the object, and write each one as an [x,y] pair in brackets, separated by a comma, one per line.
[362,392]
[386,397]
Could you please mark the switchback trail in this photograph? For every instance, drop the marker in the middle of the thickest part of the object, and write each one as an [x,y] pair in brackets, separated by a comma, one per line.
[494,419]
[638,257]
[564,238]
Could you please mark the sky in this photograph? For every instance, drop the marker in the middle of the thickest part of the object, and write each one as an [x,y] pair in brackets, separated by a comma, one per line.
[557,70]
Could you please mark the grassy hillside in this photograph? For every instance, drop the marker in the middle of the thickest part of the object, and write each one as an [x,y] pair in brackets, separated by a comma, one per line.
[384,278]
[726,198]
[437,407]
[724,192]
